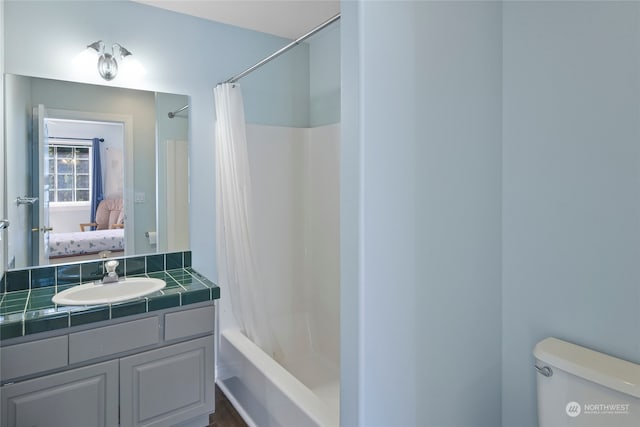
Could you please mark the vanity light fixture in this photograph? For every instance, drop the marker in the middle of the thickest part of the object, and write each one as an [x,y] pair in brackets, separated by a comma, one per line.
[108,62]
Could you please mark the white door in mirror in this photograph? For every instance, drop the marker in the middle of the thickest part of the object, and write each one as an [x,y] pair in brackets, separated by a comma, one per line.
[97,293]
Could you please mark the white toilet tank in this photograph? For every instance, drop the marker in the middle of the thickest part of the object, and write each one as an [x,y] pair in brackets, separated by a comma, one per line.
[581,387]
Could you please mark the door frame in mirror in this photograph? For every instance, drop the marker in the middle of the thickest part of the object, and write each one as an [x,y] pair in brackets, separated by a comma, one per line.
[128,195]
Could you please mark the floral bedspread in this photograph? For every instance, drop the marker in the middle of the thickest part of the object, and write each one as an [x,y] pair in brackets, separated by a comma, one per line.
[85,242]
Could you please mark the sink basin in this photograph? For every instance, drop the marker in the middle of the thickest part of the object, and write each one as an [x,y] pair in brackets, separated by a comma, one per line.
[97,293]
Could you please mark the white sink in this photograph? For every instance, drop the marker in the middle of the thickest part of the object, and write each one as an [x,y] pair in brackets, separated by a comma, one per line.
[97,293]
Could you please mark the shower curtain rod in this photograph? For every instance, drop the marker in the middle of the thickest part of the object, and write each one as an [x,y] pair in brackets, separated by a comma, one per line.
[283,50]
[75,139]
[172,114]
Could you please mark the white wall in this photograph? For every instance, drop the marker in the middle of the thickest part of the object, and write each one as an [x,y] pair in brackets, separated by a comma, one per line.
[571,168]
[67,219]
[421,213]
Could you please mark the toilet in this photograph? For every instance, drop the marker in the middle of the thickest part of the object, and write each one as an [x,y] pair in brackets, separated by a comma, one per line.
[581,387]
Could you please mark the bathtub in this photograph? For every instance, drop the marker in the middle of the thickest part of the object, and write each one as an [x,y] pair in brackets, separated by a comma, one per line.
[268,395]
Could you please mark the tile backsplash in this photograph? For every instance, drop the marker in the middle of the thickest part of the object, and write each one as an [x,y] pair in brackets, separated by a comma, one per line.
[29,309]
[65,274]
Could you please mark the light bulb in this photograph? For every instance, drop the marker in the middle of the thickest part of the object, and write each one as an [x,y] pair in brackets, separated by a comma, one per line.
[107,66]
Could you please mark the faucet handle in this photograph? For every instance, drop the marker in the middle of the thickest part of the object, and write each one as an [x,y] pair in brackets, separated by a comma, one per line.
[111,265]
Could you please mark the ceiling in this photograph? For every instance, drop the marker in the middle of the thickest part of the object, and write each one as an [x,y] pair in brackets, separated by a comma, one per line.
[284,18]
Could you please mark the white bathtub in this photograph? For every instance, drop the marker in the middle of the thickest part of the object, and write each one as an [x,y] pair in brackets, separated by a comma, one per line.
[267,395]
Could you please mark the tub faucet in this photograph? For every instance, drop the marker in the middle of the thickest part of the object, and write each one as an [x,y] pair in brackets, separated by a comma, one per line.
[111,276]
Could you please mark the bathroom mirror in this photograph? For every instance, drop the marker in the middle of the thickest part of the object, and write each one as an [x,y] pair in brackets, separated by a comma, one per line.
[68,144]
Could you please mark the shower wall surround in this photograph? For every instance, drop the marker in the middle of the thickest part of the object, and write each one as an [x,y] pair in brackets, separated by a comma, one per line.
[295,180]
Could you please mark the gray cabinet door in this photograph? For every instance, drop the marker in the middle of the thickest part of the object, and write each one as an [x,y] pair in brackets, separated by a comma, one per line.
[166,386]
[83,397]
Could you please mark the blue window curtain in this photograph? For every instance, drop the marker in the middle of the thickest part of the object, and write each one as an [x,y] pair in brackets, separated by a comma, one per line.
[96,180]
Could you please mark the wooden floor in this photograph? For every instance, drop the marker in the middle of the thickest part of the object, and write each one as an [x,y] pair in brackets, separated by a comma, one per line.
[225,415]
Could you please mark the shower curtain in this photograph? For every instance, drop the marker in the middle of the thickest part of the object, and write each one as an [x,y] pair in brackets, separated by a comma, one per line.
[237,268]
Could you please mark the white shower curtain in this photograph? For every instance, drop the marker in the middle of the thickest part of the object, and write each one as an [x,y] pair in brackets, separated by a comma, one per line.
[237,267]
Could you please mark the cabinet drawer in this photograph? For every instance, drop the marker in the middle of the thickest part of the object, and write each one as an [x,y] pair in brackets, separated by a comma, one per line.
[187,323]
[32,357]
[113,339]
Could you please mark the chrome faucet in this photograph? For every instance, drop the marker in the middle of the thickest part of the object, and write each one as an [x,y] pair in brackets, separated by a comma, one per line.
[111,276]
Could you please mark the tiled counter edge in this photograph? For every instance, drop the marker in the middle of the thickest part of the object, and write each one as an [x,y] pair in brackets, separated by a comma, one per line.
[25,295]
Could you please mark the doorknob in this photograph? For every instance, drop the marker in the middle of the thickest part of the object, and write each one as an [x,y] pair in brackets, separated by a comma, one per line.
[26,200]
[4,223]
[43,229]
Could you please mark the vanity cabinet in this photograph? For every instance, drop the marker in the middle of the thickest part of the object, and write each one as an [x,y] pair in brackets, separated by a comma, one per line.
[165,386]
[156,370]
[85,397]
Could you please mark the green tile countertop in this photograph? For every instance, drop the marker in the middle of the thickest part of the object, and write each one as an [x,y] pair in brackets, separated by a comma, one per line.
[30,311]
